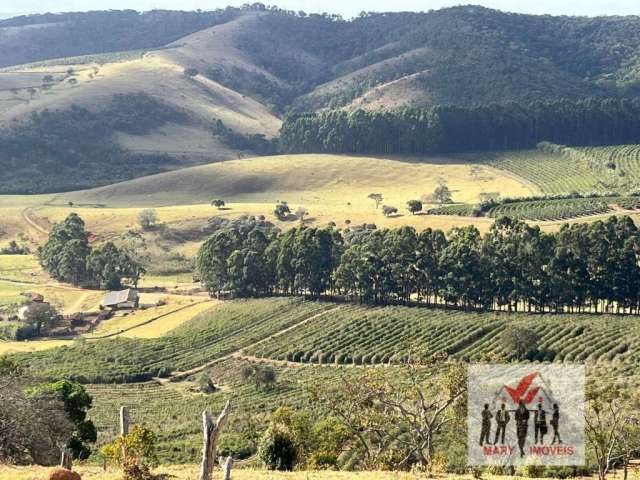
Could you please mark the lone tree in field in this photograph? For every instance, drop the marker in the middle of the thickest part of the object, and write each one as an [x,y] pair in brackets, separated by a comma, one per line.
[388,210]
[521,341]
[414,206]
[147,219]
[218,203]
[442,193]
[377,198]
[282,211]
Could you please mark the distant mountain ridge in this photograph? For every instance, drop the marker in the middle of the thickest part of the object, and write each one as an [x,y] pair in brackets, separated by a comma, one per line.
[236,73]
[459,55]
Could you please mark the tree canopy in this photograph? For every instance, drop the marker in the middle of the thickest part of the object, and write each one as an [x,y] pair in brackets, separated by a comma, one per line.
[514,266]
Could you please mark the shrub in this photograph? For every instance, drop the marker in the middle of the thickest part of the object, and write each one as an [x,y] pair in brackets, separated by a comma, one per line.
[205,384]
[235,445]
[277,450]
[148,219]
[63,474]
[323,461]
[388,210]
[139,446]
[520,341]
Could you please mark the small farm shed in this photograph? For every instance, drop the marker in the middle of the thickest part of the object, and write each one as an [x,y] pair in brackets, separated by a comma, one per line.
[128,298]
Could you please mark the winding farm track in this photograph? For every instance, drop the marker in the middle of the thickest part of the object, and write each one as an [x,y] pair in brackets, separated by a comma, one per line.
[177,376]
[26,215]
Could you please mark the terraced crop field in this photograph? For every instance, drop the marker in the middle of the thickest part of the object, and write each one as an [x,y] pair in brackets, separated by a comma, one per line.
[551,173]
[545,210]
[206,337]
[564,209]
[580,169]
[362,335]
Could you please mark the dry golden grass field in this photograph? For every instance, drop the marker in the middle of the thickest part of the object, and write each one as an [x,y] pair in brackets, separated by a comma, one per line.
[332,188]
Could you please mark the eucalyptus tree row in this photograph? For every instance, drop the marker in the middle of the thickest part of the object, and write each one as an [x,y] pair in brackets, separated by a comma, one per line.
[459,129]
[514,266]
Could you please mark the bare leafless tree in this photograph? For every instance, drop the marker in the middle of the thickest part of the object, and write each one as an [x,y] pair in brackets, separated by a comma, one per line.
[612,427]
[33,429]
[421,398]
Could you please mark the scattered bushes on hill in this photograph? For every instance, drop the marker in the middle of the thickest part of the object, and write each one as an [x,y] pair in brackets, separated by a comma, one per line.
[14,249]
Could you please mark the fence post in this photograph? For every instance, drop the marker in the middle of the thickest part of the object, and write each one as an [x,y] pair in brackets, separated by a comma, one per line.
[66,461]
[124,429]
[227,468]
[124,421]
[211,431]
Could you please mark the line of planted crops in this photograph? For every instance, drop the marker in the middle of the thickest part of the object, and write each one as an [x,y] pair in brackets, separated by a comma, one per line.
[206,337]
[364,335]
[543,209]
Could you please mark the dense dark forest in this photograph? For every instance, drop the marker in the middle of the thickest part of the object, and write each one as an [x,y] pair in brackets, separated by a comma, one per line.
[458,129]
[72,149]
[514,266]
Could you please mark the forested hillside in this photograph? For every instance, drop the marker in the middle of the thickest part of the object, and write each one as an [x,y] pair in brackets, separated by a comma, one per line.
[456,79]
[458,129]
[458,55]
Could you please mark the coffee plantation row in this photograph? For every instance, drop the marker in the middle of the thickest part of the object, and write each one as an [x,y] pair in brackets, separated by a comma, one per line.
[361,335]
[552,209]
[555,169]
[206,337]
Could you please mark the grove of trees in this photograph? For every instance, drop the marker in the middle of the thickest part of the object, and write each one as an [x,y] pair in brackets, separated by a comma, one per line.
[514,266]
[68,257]
[464,128]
